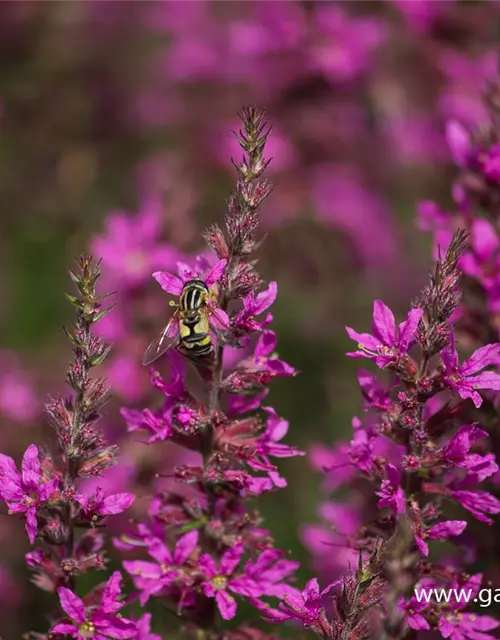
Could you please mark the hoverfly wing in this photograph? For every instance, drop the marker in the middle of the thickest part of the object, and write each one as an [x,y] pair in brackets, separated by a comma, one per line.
[161,344]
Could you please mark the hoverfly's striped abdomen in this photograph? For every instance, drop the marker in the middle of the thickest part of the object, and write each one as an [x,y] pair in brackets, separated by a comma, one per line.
[194,338]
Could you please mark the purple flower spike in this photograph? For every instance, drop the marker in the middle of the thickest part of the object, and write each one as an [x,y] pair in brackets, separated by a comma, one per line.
[388,342]
[464,378]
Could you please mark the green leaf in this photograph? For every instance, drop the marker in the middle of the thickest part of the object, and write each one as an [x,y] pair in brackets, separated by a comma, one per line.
[102,313]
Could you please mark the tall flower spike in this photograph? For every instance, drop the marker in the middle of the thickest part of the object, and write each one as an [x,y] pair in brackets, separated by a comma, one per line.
[209,562]
[60,514]
[416,450]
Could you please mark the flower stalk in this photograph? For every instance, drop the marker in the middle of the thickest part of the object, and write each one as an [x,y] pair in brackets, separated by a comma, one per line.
[207,550]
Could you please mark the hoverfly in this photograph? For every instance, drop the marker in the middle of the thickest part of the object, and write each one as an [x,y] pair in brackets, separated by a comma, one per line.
[189,327]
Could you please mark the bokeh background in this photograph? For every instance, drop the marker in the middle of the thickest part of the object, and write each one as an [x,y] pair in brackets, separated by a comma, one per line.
[115,137]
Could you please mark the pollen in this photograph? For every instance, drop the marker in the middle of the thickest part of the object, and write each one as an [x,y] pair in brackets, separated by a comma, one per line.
[472,618]
[87,630]
[219,582]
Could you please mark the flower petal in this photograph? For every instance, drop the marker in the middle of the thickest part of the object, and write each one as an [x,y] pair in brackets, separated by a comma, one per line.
[265,299]
[231,559]
[116,503]
[408,328]
[215,273]
[185,546]
[226,604]
[109,601]
[160,552]
[64,629]
[483,357]
[168,282]
[72,604]
[31,467]
[31,524]
[384,324]
[446,529]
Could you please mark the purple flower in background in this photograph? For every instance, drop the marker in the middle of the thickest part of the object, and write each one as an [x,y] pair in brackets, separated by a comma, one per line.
[388,342]
[18,400]
[217,581]
[24,492]
[464,378]
[97,622]
[130,248]
[344,45]
[459,142]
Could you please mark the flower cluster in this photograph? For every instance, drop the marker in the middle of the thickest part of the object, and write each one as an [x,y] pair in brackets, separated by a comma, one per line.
[416,462]
[206,548]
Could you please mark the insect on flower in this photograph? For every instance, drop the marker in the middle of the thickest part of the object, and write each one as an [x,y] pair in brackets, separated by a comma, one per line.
[189,327]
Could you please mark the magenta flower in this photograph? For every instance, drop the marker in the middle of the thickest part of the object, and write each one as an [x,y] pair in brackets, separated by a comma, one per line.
[265,359]
[173,284]
[467,626]
[388,342]
[254,305]
[276,429]
[97,622]
[152,577]
[391,494]
[464,378]
[459,142]
[158,424]
[144,629]
[414,617]
[441,531]
[218,581]
[305,607]
[456,452]
[98,506]
[24,492]
[130,247]
[479,503]
[270,570]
